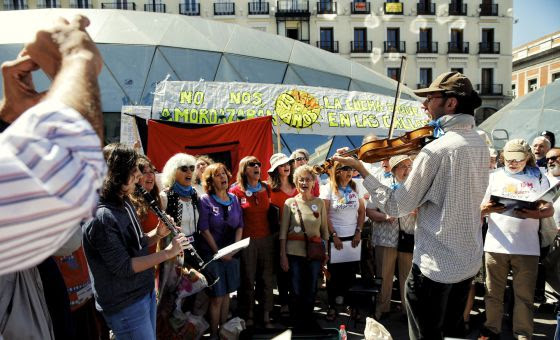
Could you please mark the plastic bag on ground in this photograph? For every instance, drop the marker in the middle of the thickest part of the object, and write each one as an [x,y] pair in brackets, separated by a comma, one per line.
[376,331]
[231,329]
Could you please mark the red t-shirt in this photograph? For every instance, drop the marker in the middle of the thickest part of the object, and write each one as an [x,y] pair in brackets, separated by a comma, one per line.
[148,224]
[75,273]
[255,212]
[278,197]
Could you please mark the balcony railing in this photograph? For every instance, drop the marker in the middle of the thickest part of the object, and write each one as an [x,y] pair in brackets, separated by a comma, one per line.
[490,89]
[422,86]
[457,9]
[159,8]
[361,46]
[360,7]
[458,47]
[394,46]
[426,47]
[331,46]
[51,4]
[224,8]
[490,10]
[423,8]
[258,8]
[189,9]
[81,4]
[326,7]
[393,7]
[292,7]
[489,47]
[119,5]
[15,7]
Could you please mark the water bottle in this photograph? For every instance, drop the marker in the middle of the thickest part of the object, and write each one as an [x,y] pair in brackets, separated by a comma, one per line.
[342,333]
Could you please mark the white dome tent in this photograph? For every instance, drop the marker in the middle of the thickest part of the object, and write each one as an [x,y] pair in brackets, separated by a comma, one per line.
[142,48]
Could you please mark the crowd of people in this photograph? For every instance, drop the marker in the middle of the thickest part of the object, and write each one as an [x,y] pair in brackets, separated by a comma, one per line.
[138,266]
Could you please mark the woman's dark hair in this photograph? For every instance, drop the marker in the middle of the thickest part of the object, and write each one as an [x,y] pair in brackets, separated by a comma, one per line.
[274,178]
[120,163]
[137,199]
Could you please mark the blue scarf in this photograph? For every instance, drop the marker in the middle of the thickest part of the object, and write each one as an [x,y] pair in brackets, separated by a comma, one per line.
[182,190]
[222,202]
[346,192]
[387,174]
[395,186]
[438,129]
[532,171]
[254,189]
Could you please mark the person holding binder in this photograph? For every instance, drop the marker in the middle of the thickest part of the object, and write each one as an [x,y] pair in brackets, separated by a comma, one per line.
[346,214]
[512,240]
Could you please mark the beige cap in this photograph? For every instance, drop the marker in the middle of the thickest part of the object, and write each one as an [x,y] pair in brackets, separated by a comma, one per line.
[516,149]
[452,83]
[276,160]
[395,160]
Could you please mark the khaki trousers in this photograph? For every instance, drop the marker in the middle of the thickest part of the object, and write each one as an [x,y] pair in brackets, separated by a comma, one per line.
[404,263]
[524,268]
[385,260]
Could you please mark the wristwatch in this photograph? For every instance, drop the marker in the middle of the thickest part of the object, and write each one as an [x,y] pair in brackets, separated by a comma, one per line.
[334,234]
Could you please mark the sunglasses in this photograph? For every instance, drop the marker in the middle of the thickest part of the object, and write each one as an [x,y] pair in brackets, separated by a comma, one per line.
[186,168]
[299,159]
[553,158]
[429,98]
[254,164]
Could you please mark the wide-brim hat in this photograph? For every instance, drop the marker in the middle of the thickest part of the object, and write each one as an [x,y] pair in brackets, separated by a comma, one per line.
[278,159]
[452,83]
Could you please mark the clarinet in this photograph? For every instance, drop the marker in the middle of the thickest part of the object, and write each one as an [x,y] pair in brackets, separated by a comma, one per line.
[191,256]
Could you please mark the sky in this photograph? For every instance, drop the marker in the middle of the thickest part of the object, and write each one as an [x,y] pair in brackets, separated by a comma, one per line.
[535,18]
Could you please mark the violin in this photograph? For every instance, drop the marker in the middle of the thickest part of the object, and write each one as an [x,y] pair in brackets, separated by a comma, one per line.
[381,149]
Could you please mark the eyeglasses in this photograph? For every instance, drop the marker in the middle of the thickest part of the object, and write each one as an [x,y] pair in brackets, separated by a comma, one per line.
[346,168]
[254,164]
[299,159]
[509,161]
[409,167]
[553,159]
[429,98]
[186,168]
[305,179]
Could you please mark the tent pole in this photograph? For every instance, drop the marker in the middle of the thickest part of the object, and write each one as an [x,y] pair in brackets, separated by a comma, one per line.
[278,139]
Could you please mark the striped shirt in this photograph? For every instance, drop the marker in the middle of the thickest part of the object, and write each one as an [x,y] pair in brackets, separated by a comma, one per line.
[51,167]
[447,184]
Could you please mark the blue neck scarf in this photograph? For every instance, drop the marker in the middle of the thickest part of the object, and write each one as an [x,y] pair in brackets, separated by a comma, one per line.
[395,186]
[387,174]
[438,129]
[254,189]
[182,190]
[222,202]
[532,171]
[346,192]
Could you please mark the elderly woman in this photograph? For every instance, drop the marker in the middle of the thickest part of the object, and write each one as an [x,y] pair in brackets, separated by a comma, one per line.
[116,248]
[281,182]
[386,233]
[221,224]
[257,259]
[512,240]
[301,157]
[346,214]
[301,214]
[202,161]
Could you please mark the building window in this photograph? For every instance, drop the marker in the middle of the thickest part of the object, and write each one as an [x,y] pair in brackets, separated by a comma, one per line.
[532,85]
[555,76]
[513,90]
[326,41]
[425,43]
[393,43]
[425,77]
[394,73]
[360,43]
[487,45]
[487,81]
[457,69]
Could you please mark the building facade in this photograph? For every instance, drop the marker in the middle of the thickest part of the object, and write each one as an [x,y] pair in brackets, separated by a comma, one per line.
[536,64]
[470,36]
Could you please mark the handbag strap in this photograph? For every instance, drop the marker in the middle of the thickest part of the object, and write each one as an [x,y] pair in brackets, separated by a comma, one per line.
[301,220]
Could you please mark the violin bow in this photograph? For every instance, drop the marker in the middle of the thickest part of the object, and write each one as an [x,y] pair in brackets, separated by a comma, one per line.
[397,96]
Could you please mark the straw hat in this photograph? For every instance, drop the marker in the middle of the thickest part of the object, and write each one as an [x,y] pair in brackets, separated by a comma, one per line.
[516,149]
[276,160]
[394,161]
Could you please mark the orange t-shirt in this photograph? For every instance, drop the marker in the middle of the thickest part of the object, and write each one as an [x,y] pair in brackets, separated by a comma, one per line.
[75,273]
[278,197]
[255,212]
[148,224]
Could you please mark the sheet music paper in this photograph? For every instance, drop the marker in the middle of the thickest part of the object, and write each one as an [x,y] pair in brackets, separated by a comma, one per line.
[346,254]
[232,248]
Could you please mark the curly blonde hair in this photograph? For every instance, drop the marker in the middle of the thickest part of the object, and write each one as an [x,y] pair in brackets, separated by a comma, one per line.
[170,168]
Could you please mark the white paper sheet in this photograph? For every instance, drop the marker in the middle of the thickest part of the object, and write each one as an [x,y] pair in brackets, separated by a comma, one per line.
[232,248]
[346,254]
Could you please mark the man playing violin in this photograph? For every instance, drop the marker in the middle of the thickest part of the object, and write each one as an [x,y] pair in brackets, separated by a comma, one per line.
[447,184]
